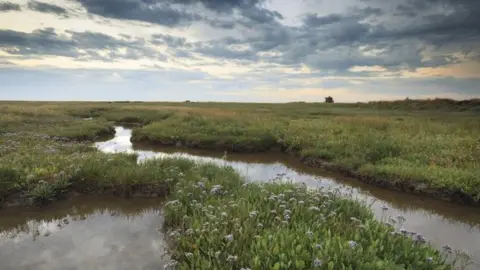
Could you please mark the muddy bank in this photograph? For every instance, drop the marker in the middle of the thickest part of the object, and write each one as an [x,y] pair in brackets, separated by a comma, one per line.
[218,145]
[214,145]
[101,135]
[155,190]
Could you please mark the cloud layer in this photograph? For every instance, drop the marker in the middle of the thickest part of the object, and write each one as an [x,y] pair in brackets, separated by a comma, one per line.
[308,48]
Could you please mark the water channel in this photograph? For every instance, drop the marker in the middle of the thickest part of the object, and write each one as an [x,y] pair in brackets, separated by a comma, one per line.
[83,232]
[114,233]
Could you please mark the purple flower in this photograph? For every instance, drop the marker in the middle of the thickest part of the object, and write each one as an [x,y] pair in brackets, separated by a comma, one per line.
[229,237]
[352,244]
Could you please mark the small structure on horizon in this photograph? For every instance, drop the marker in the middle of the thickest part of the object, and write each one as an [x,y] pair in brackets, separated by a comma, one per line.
[329,99]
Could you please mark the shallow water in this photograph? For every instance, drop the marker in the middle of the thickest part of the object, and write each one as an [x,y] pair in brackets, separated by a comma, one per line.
[83,232]
[439,222]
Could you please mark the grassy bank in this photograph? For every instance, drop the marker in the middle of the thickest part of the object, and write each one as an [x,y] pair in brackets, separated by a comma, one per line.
[223,133]
[435,157]
[421,154]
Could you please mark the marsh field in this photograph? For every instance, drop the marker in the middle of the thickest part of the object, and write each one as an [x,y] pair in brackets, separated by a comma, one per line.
[215,217]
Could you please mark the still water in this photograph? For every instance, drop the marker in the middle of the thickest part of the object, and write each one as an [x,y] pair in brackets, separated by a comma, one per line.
[83,232]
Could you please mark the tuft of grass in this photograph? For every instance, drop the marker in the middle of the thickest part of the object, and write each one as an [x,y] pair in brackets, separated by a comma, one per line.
[42,192]
[138,116]
[87,111]
[81,130]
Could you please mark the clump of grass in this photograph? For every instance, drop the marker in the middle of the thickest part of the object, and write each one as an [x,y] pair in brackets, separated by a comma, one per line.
[40,191]
[217,221]
[81,130]
[8,180]
[138,116]
[87,111]
[224,133]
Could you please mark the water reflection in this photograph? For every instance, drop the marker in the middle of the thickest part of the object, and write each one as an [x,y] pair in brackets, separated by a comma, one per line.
[440,222]
[84,232]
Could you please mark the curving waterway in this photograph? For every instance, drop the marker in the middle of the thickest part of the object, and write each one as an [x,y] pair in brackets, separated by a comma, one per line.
[439,222]
[98,232]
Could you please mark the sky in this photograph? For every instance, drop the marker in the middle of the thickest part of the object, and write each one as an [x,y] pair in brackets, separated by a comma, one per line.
[239,50]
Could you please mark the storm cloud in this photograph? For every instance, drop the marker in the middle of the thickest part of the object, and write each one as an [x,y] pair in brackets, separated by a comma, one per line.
[9,6]
[349,39]
[46,8]
[141,10]
[358,36]
[79,45]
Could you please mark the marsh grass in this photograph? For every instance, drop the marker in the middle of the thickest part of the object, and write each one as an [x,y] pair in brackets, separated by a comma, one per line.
[41,161]
[435,149]
[138,116]
[81,130]
[226,133]
[42,170]
[435,154]
[223,223]
[87,111]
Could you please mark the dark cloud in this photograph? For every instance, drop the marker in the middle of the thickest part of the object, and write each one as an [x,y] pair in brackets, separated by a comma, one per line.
[79,45]
[140,10]
[222,5]
[368,36]
[353,14]
[170,41]
[216,23]
[39,42]
[183,54]
[313,20]
[173,13]
[272,37]
[405,10]
[367,11]
[261,15]
[9,6]
[438,23]
[46,8]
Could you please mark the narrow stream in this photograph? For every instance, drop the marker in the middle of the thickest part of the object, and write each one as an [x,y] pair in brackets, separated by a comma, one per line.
[439,222]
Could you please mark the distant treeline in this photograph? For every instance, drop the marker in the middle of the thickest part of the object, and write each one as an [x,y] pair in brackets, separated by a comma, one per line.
[427,104]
